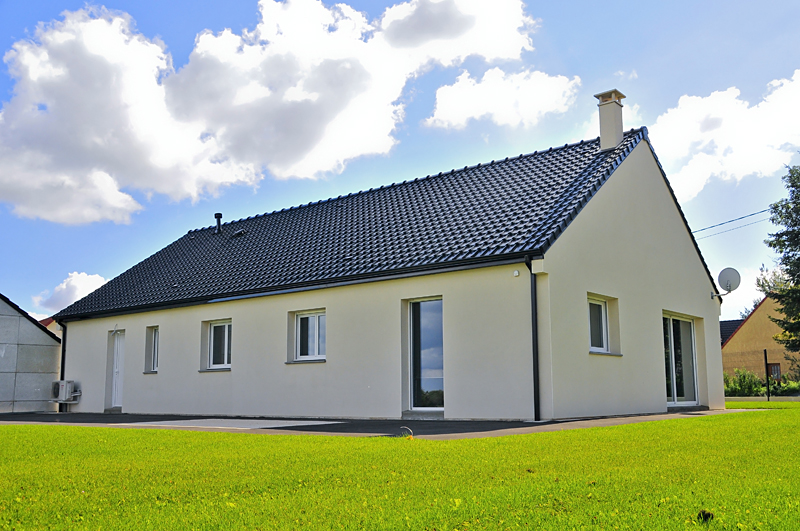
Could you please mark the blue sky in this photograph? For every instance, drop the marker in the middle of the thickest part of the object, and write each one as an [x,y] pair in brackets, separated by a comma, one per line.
[125,124]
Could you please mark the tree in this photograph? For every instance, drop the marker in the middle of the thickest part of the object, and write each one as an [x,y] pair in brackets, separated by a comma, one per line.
[768,281]
[786,242]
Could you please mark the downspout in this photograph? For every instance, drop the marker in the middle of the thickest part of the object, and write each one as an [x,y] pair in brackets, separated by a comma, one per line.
[63,407]
[534,341]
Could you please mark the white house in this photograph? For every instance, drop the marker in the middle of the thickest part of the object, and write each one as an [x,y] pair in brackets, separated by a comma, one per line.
[563,283]
[30,360]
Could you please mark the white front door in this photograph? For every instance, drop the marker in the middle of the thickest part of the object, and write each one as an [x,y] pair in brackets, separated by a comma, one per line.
[116,377]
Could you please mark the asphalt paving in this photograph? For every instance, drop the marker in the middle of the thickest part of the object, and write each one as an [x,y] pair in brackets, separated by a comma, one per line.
[424,429]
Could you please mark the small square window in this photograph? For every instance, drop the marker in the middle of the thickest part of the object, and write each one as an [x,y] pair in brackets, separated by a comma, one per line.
[310,336]
[598,326]
[219,345]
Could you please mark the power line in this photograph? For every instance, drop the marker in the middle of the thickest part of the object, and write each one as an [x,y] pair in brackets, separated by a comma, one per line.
[735,228]
[731,221]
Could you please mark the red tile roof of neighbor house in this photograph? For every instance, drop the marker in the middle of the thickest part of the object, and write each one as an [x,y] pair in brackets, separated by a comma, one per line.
[505,210]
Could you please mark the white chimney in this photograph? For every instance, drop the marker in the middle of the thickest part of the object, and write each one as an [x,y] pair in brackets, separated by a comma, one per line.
[610,118]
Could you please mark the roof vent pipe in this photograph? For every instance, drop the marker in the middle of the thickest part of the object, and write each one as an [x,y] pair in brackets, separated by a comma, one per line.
[610,118]
[218,217]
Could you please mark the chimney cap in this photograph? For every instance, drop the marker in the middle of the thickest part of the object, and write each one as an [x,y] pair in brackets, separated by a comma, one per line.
[609,96]
[218,215]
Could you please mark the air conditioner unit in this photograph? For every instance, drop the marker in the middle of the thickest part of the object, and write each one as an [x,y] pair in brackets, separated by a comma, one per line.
[65,392]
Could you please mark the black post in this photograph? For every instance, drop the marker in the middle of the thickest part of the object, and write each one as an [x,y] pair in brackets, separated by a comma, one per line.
[766,371]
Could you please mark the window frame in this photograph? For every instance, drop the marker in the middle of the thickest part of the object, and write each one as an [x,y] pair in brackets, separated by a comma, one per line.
[151,350]
[411,354]
[692,342]
[771,371]
[316,314]
[228,324]
[604,316]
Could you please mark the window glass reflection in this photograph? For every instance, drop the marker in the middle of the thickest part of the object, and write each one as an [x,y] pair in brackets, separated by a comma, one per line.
[427,354]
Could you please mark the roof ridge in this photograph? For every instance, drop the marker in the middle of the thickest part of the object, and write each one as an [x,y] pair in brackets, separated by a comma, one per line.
[600,173]
[407,181]
[477,215]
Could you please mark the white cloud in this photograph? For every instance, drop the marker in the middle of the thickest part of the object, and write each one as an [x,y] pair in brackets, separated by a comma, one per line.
[38,316]
[99,113]
[508,99]
[75,286]
[723,136]
[627,75]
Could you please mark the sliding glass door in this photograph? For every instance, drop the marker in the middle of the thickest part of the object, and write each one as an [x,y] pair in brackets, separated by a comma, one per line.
[679,361]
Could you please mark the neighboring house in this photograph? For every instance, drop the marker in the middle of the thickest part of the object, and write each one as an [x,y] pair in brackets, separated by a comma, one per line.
[51,325]
[727,328]
[30,360]
[563,283]
[744,347]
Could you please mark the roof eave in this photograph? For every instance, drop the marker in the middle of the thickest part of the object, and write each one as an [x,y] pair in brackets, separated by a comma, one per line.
[442,267]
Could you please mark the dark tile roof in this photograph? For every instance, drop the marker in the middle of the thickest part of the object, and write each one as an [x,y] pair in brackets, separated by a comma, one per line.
[502,210]
[727,328]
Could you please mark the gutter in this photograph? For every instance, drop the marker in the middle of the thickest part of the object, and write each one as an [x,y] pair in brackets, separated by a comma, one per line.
[534,341]
[377,276]
[63,407]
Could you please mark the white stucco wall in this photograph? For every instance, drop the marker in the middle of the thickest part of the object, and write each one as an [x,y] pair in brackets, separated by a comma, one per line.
[630,244]
[487,352]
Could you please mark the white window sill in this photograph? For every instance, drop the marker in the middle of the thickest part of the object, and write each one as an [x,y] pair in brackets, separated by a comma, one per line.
[310,360]
[604,353]
[216,369]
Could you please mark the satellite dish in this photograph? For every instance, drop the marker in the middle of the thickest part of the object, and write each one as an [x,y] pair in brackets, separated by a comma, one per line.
[729,280]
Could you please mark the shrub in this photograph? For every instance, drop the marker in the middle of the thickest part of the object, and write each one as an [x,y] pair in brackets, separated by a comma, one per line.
[743,383]
[784,387]
[747,383]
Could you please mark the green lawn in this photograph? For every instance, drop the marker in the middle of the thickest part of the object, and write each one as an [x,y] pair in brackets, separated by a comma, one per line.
[762,405]
[742,467]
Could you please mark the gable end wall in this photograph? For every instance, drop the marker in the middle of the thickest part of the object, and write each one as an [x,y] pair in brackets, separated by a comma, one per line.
[29,363]
[629,244]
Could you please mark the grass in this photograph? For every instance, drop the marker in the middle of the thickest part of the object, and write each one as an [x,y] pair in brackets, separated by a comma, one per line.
[762,405]
[740,467]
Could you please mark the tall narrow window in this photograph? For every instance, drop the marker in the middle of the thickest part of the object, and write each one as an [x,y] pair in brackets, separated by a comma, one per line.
[598,326]
[151,349]
[427,354]
[310,336]
[154,365]
[679,361]
[219,345]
